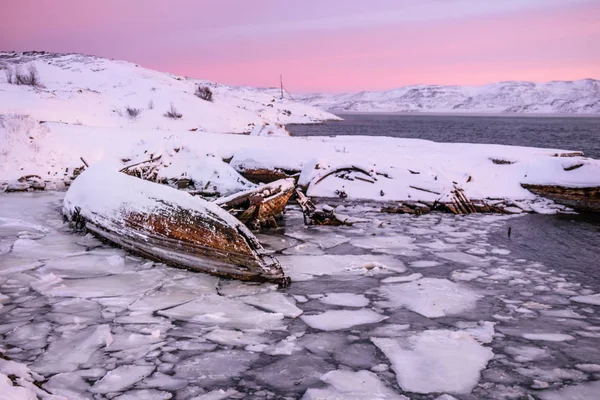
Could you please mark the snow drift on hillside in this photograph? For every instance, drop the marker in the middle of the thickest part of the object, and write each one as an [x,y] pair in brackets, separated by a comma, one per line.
[94,91]
[557,97]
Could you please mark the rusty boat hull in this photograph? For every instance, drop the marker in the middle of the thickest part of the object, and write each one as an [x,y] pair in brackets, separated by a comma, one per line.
[167,225]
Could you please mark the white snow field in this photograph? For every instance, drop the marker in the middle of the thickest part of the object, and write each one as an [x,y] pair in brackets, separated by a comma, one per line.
[513,97]
[80,319]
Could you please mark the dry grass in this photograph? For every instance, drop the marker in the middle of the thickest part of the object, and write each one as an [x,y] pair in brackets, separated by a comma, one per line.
[173,113]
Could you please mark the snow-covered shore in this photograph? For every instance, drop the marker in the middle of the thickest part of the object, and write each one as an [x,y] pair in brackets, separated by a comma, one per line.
[396,169]
[80,113]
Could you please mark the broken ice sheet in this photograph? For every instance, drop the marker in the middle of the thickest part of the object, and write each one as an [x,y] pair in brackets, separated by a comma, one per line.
[121,378]
[226,313]
[349,385]
[345,299]
[302,268]
[583,391]
[333,320]
[430,297]
[69,352]
[593,299]
[107,286]
[230,337]
[274,302]
[215,367]
[463,258]
[436,361]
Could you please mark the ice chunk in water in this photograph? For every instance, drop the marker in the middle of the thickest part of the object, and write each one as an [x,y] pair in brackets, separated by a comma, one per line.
[70,385]
[273,301]
[436,361]
[302,268]
[162,299]
[345,299]
[349,385]
[297,372]
[234,338]
[423,264]
[527,353]
[121,378]
[161,381]
[548,337]
[225,312]
[467,275]
[334,320]
[430,297]
[593,299]
[68,352]
[583,391]
[145,394]
[219,394]
[398,279]
[463,258]
[214,367]
[107,286]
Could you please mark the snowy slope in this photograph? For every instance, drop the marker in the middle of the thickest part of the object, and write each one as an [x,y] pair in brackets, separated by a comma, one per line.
[94,91]
[560,97]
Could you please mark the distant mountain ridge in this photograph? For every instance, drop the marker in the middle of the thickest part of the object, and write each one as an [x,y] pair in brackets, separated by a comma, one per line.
[555,97]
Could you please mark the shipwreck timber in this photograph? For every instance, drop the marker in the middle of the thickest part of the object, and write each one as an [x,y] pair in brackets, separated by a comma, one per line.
[578,198]
[167,225]
[260,206]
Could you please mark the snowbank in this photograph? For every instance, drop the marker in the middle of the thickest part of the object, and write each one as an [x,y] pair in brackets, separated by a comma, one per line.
[368,168]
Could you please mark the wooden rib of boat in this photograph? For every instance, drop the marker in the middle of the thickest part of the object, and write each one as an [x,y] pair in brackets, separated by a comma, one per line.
[259,206]
[168,225]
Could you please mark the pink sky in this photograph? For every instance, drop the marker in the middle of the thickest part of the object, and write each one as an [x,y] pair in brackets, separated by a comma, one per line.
[322,45]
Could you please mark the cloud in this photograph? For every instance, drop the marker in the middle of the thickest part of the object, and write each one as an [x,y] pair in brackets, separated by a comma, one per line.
[396,13]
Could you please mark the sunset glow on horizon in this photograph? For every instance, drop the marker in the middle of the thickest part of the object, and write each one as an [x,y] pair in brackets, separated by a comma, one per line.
[323,46]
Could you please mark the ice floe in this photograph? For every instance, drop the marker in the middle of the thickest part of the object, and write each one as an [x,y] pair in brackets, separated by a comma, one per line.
[333,320]
[349,385]
[430,297]
[436,361]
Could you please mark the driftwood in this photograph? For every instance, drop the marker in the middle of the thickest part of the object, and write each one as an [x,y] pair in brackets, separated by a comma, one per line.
[260,206]
[164,224]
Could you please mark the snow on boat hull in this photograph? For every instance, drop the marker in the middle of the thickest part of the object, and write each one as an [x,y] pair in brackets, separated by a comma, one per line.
[167,225]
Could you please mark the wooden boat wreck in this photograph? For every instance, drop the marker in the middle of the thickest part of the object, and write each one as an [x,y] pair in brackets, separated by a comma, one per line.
[260,206]
[167,225]
[579,198]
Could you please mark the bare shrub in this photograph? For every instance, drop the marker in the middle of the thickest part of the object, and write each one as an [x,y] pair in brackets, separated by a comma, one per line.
[28,78]
[173,113]
[204,93]
[9,74]
[150,105]
[132,112]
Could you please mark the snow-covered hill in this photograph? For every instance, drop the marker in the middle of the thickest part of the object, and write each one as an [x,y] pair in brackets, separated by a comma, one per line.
[94,91]
[556,97]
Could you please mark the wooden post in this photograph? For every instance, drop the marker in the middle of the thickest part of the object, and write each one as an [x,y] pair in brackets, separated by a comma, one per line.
[281,84]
